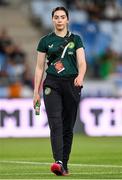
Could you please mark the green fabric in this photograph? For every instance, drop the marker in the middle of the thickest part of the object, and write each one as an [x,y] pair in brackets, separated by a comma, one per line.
[50,43]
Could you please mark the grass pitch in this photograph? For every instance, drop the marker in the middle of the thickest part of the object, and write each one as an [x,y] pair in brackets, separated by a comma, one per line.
[91,158]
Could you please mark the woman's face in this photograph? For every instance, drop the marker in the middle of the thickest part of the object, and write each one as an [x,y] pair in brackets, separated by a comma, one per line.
[60,20]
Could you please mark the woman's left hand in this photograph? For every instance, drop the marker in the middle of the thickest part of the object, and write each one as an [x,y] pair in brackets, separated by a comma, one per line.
[78,81]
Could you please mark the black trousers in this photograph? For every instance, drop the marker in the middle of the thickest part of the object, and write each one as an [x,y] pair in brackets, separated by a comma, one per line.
[61,100]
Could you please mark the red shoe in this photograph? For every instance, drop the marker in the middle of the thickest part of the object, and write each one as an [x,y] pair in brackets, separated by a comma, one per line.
[57,168]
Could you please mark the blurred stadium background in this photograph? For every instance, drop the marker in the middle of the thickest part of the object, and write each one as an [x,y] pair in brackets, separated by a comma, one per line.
[99,23]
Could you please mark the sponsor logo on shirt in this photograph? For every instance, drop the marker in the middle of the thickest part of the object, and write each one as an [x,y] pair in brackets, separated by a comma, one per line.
[50,46]
[70,52]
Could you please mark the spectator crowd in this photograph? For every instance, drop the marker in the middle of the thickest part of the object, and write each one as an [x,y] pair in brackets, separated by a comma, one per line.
[13,68]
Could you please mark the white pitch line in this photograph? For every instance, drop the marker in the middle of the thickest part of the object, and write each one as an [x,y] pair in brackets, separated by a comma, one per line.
[25,162]
[97,165]
[47,163]
[39,173]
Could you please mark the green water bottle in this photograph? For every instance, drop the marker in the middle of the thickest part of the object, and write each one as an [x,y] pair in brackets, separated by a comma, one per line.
[37,108]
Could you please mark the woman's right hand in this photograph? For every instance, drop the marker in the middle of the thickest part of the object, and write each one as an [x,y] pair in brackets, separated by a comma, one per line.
[36,97]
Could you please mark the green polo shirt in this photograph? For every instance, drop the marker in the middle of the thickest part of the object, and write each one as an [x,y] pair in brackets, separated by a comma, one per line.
[50,43]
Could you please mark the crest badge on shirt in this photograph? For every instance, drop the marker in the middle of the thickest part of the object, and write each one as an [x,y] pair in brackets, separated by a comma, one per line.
[71,45]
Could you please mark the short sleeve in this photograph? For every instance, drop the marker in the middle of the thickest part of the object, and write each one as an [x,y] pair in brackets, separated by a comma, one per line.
[42,45]
[78,42]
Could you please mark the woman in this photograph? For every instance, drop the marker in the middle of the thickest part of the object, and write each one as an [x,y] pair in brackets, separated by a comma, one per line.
[62,86]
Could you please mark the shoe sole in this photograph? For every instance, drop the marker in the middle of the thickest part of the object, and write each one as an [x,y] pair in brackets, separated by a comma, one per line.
[57,169]
[66,174]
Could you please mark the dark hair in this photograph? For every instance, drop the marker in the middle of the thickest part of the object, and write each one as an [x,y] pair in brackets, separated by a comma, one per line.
[60,8]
